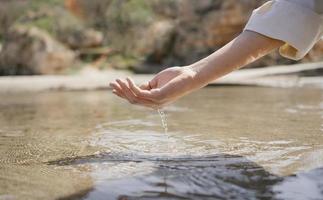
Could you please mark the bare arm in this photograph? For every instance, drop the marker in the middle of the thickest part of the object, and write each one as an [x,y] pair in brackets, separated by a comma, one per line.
[246,48]
[173,83]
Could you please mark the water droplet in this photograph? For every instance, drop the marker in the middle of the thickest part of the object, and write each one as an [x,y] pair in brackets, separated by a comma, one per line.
[163,119]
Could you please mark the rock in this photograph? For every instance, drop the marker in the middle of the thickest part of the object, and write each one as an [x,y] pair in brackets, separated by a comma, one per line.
[10,11]
[166,8]
[157,40]
[29,50]
[205,26]
[199,28]
[64,26]
[149,35]
[81,39]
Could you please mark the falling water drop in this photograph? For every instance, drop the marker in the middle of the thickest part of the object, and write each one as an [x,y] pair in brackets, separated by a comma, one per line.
[163,119]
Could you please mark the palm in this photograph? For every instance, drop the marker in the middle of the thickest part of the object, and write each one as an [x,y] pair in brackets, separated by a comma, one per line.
[165,87]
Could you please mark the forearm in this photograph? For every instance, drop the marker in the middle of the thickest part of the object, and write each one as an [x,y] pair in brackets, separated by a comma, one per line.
[246,48]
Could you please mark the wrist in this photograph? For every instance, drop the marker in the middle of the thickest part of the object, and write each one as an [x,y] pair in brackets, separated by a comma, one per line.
[198,74]
[192,77]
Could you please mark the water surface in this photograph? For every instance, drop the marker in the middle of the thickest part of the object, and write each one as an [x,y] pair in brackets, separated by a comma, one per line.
[221,143]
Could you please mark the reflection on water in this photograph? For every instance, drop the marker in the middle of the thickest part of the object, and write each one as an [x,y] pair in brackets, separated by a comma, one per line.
[190,177]
[222,143]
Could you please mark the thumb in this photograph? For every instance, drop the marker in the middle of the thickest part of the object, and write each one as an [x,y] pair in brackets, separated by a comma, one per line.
[145,86]
[150,84]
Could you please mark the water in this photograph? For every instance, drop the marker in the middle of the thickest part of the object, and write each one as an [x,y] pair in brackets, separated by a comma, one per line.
[163,120]
[225,143]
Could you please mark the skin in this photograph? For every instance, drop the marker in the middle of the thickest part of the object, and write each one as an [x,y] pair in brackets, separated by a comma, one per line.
[175,82]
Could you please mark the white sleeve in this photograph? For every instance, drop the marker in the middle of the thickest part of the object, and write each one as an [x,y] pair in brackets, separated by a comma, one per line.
[297,24]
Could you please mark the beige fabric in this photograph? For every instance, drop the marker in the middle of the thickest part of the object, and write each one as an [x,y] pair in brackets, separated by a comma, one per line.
[296,22]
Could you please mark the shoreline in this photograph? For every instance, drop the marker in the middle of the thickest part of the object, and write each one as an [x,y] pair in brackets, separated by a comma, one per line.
[91,79]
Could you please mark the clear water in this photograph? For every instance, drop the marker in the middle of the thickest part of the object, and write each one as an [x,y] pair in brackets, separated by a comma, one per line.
[224,143]
[163,120]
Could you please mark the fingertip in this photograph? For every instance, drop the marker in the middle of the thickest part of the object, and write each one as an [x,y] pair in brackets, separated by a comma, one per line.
[130,79]
[130,82]
[120,82]
[114,85]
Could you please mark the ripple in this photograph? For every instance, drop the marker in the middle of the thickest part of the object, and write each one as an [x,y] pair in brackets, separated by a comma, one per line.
[306,185]
[221,175]
[127,123]
[32,149]
[11,133]
[79,153]
[148,143]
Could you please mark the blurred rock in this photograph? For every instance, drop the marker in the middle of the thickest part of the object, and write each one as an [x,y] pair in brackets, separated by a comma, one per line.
[205,26]
[81,39]
[29,50]
[156,44]
[201,28]
[64,26]
[124,24]
[146,35]
[166,8]
[10,11]
[73,32]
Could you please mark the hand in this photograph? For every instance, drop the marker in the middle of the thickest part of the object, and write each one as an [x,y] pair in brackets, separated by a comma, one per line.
[175,82]
[164,88]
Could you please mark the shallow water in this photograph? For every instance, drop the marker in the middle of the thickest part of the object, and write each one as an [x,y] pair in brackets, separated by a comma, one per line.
[222,143]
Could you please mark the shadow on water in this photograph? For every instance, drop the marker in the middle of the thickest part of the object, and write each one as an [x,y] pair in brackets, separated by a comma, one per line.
[46,131]
[219,176]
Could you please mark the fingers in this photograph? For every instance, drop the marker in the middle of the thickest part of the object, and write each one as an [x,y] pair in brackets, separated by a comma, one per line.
[117,90]
[134,94]
[118,94]
[145,94]
[138,91]
[127,92]
[131,97]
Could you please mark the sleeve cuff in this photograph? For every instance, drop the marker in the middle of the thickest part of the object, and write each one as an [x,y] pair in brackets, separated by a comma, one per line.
[299,27]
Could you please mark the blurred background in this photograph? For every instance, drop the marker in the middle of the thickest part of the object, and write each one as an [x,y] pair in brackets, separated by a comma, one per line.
[217,143]
[64,36]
